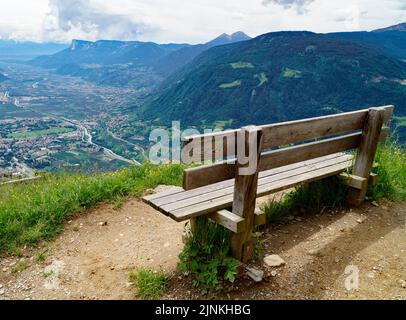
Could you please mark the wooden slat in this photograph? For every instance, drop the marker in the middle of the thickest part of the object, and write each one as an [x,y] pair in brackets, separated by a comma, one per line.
[291,132]
[223,202]
[167,199]
[228,220]
[207,175]
[156,196]
[191,197]
[354,181]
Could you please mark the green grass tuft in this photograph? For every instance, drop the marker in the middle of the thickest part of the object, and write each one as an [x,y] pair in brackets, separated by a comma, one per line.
[205,255]
[34,212]
[20,267]
[390,165]
[148,284]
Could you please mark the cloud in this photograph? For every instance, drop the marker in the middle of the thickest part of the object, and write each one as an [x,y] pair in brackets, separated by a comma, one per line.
[80,19]
[299,5]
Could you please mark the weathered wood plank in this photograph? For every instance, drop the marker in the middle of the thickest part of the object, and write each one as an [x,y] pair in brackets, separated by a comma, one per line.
[228,220]
[373,179]
[260,217]
[224,202]
[207,175]
[245,191]
[366,152]
[286,133]
[354,181]
[203,194]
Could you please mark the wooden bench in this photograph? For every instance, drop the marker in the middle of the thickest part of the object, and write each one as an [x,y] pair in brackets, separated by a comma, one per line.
[287,154]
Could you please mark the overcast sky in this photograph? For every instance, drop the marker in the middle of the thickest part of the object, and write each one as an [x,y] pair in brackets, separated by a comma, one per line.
[192,21]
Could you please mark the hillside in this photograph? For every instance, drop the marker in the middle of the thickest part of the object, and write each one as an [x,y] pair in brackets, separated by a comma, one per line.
[278,77]
[134,63]
[399,27]
[178,59]
[2,76]
[391,42]
[117,63]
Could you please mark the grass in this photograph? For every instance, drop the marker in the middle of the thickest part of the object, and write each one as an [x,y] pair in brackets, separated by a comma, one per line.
[236,83]
[148,284]
[37,211]
[390,165]
[20,267]
[291,73]
[241,65]
[205,255]
[39,133]
[314,197]
[330,193]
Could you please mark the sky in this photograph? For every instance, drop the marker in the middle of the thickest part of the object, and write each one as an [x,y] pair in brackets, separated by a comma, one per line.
[187,21]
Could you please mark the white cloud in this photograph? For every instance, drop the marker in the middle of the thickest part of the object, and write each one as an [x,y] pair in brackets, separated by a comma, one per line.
[190,21]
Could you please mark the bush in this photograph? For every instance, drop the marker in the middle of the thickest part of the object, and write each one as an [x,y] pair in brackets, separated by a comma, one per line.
[205,255]
[36,211]
[148,284]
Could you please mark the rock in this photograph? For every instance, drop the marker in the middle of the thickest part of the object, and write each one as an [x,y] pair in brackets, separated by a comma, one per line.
[255,274]
[402,283]
[274,273]
[375,204]
[274,261]
[2,291]
[359,221]
[312,252]
[103,224]
[5,269]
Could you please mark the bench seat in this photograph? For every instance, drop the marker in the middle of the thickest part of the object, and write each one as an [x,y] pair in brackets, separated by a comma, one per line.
[182,205]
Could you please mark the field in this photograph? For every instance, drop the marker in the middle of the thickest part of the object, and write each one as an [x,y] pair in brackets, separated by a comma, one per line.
[236,83]
[38,133]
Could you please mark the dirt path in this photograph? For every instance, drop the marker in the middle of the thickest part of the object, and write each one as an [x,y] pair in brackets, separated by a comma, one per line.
[91,260]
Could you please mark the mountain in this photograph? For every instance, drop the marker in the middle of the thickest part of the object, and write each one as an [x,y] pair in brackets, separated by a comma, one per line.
[25,50]
[142,65]
[178,59]
[399,27]
[391,41]
[105,62]
[2,76]
[106,52]
[278,77]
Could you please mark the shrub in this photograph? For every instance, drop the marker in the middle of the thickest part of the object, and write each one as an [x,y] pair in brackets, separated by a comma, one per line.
[205,255]
[148,284]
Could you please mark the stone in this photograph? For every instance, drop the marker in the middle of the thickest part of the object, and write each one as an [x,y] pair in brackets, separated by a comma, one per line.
[402,283]
[2,292]
[255,274]
[103,224]
[274,261]
[274,273]
[375,204]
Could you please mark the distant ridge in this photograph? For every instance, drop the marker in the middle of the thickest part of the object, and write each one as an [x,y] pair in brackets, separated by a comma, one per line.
[399,27]
[178,59]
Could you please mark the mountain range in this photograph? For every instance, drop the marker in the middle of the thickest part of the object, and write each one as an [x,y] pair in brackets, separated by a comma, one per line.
[26,50]
[278,77]
[134,63]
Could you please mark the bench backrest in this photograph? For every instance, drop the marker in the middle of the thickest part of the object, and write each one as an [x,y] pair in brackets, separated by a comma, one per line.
[282,144]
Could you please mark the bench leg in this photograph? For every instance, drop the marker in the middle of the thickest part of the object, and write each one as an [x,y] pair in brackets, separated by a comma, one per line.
[366,153]
[245,191]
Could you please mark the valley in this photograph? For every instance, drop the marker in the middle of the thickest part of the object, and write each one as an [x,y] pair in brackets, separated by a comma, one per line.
[53,122]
